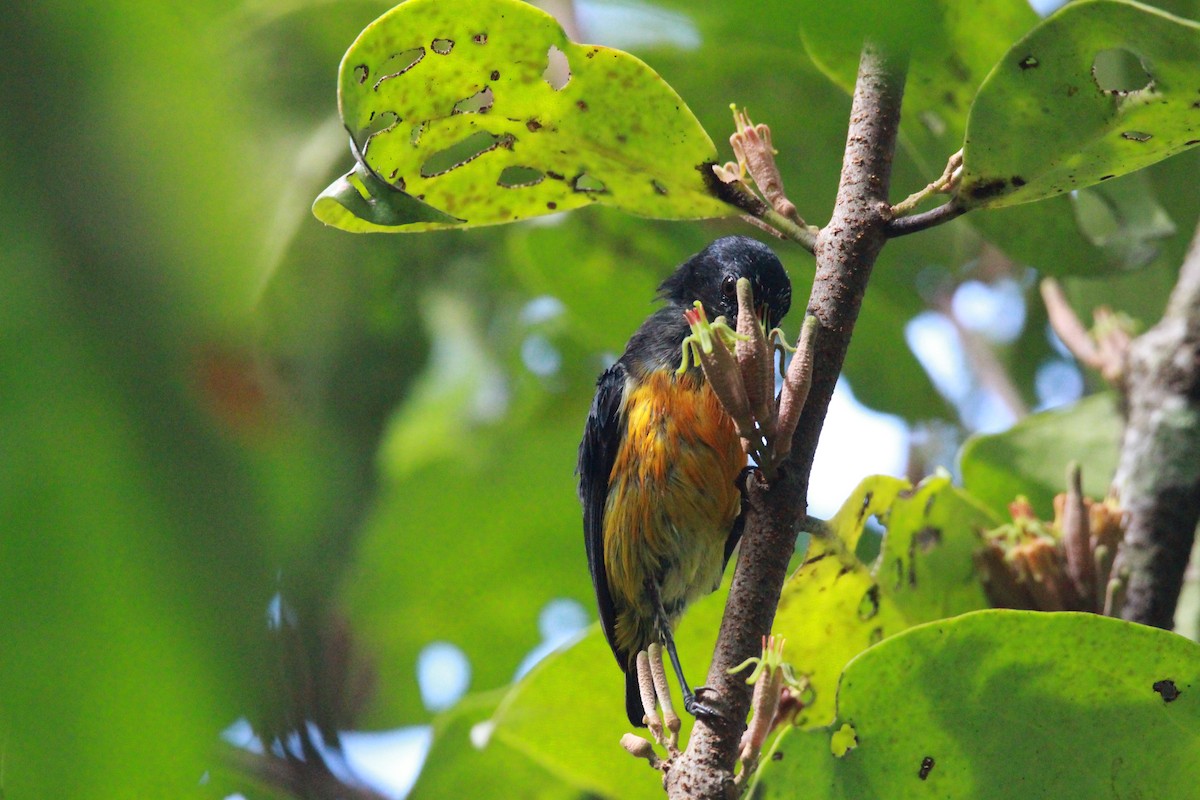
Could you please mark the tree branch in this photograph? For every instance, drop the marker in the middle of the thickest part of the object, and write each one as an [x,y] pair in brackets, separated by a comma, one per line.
[846,250]
[902,226]
[1158,477]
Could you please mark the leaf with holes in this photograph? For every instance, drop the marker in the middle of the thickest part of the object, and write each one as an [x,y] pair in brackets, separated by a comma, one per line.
[465,112]
[1002,704]
[835,606]
[1100,89]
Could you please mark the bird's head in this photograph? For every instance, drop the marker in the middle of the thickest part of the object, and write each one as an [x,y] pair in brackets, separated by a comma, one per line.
[711,277]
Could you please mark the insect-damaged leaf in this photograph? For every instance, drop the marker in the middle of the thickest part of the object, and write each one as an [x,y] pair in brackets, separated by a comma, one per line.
[1100,89]
[465,112]
[835,606]
[1002,704]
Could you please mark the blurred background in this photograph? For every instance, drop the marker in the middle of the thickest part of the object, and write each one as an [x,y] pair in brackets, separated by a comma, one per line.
[272,496]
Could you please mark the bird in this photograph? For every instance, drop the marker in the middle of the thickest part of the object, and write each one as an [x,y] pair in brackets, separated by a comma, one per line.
[660,460]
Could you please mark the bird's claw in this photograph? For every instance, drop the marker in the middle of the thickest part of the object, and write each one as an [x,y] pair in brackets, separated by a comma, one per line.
[694,706]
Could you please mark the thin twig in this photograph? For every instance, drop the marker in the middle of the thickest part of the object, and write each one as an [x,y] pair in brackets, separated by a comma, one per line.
[739,196]
[1067,325]
[948,178]
[902,226]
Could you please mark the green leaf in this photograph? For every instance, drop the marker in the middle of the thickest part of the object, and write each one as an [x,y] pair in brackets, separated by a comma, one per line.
[1054,116]
[835,606]
[568,713]
[465,112]
[449,540]
[1003,704]
[951,45]
[1031,457]
[466,761]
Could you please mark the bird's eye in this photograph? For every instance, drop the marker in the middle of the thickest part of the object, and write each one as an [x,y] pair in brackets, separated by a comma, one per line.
[729,286]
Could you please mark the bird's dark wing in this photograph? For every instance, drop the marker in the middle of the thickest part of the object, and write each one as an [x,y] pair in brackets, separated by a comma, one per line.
[597,452]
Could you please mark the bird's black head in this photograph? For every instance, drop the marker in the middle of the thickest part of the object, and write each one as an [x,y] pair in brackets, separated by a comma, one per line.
[711,277]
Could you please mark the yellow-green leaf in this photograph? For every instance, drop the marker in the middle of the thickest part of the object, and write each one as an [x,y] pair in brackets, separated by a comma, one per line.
[835,606]
[480,112]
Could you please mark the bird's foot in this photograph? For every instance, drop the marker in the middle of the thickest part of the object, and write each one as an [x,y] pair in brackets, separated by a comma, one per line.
[697,707]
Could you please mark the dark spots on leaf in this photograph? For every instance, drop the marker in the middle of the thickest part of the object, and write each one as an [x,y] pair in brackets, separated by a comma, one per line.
[866,503]
[1196,104]
[1106,177]
[1167,689]
[815,559]
[589,184]
[495,75]
[515,177]
[846,569]
[558,176]
[868,607]
[876,636]
[1191,142]
[899,565]
[1028,62]
[622,138]
[777,755]
[463,152]
[361,73]
[1072,91]
[986,189]
[479,38]
[933,497]
[442,46]
[558,69]
[1137,136]
[399,63]
[582,106]
[926,767]
[533,126]
[1017,181]
[592,53]
[956,66]
[658,187]
[928,538]
[479,103]
[551,205]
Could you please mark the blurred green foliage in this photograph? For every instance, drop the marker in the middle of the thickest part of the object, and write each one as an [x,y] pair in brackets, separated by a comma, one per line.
[209,400]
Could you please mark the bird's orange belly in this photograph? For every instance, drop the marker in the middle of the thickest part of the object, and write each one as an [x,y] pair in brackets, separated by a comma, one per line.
[672,499]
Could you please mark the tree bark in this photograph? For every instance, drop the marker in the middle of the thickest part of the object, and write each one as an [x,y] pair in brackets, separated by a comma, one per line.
[845,252]
[1158,477]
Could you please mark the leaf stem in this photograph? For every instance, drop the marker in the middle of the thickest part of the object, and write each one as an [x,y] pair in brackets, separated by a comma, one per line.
[902,226]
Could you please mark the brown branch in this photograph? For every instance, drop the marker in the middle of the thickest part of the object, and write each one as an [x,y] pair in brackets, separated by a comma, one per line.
[902,226]
[846,250]
[1158,477]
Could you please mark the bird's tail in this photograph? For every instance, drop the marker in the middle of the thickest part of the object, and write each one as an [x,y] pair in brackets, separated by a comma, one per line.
[633,698]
